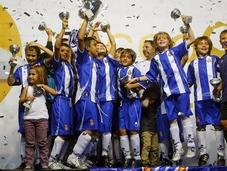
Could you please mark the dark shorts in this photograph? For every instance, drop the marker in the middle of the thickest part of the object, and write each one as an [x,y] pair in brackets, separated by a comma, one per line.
[224,111]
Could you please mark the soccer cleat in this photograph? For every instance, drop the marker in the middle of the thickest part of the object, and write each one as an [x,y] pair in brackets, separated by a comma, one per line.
[177,154]
[220,160]
[75,162]
[127,163]
[54,165]
[203,160]
[191,152]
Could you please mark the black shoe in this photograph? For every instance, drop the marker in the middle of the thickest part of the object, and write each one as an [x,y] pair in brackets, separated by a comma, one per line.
[128,163]
[106,161]
[203,160]
[166,162]
[220,160]
[22,166]
[38,166]
[136,163]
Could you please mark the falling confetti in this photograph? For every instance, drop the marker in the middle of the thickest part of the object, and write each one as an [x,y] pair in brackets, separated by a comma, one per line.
[132,5]
[127,25]
[27,14]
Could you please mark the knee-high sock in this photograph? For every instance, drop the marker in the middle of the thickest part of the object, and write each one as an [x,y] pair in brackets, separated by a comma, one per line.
[164,149]
[82,143]
[135,144]
[116,148]
[220,142]
[175,133]
[202,142]
[188,129]
[106,139]
[58,143]
[124,141]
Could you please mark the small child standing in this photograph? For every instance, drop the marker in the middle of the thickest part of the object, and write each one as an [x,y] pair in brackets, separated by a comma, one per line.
[200,72]
[35,117]
[130,110]
[149,134]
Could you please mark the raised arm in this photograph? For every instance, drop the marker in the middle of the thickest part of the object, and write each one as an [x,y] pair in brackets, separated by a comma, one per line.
[191,36]
[61,34]
[48,89]
[94,32]
[112,42]
[81,34]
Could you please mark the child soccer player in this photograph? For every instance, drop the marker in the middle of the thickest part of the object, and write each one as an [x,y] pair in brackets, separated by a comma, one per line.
[200,72]
[166,64]
[130,110]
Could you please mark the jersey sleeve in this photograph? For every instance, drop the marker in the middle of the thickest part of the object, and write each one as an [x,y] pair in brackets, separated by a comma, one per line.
[180,50]
[190,74]
[153,72]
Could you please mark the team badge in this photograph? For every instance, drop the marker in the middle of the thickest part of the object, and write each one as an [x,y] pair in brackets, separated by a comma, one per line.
[91,122]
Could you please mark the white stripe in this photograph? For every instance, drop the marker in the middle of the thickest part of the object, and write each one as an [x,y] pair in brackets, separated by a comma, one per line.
[210,73]
[163,76]
[163,108]
[176,73]
[93,82]
[107,73]
[24,75]
[197,79]
[67,80]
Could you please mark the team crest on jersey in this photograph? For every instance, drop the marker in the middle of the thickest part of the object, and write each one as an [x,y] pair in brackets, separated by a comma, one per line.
[105,60]
[91,122]
[209,60]
[66,127]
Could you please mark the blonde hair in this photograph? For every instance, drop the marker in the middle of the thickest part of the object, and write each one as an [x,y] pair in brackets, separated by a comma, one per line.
[171,43]
[41,72]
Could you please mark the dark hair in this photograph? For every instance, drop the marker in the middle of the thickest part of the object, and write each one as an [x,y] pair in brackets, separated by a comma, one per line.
[223,32]
[151,42]
[131,52]
[88,40]
[33,48]
[201,38]
[153,92]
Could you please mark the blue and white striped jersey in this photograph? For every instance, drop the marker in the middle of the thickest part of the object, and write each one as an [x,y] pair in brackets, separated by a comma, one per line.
[200,72]
[124,75]
[167,65]
[143,66]
[64,78]
[107,78]
[87,86]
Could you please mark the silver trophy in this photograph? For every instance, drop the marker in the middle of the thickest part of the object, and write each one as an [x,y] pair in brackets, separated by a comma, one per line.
[130,93]
[64,15]
[175,14]
[37,91]
[90,9]
[42,26]
[104,26]
[215,82]
[184,29]
[14,49]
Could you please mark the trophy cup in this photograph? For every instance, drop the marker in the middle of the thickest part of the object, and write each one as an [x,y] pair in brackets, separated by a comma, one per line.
[64,16]
[14,49]
[104,26]
[184,29]
[215,82]
[175,14]
[37,91]
[42,26]
[130,94]
[90,9]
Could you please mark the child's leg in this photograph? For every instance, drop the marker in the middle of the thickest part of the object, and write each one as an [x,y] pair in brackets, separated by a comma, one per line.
[58,144]
[30,142]
[201,134]
[124,142]
[146,147]
[220,141]
[135,145]
[154,149]
[41,135]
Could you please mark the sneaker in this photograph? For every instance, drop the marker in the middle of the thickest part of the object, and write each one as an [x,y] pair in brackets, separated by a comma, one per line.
[43,168]
[128,163]
[166,162]
[88,163]
[64,167]
[54,165]
[136,163]
[220,160]
[177,154]
[191,152]
[75,162]
[203,160]
[28,168]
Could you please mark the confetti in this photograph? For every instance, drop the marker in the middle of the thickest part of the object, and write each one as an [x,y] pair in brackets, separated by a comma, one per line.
[132,5]
[127,25]
[138,17]
[5,7]
[27,14]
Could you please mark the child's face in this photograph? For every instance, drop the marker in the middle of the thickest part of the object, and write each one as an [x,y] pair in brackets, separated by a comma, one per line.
[162,42]
[101,49]
[223,41]
[65,53]
[148,50]
[92,49]
[33,76]
[31,56]
[126,59]
[117,55]
[202,48]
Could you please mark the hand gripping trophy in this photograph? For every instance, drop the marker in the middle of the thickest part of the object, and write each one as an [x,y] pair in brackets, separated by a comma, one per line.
[130,93]
[215,82]
[175,14]
[14,49]
[64,16]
